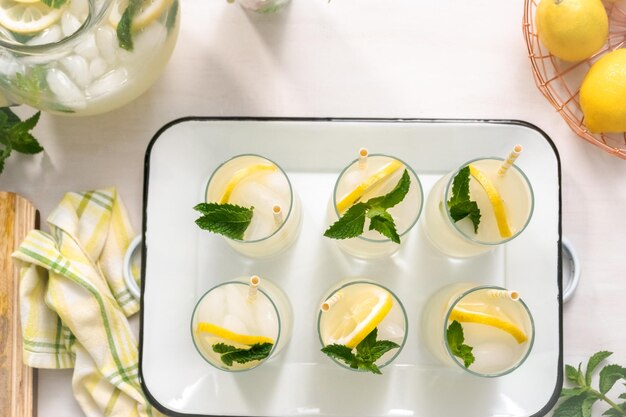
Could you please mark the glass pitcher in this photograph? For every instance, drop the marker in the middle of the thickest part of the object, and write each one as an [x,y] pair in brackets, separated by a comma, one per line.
[83,57]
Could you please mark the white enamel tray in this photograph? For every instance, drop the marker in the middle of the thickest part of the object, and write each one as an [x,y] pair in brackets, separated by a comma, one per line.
[181,262]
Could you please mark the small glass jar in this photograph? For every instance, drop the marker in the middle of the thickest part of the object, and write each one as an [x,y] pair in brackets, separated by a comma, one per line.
[262,184]
[70,61]
[458,239]
[240,314]
[350,295]
[263,6]
[495,322]
[371,244]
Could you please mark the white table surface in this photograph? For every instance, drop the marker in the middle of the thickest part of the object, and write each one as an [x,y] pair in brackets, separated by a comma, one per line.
[365,58]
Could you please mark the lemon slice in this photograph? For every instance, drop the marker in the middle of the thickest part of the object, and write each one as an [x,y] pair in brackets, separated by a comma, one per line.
[149,11]
[27,17]
[353,196]
[223,333]
[352,319]
[491,318]
[241,175]
[496,201]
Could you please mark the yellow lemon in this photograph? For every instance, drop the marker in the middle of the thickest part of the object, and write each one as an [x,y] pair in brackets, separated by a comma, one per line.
[351,320]
[241,175]
[149,11]
[243,339]
[27,17]
[572,30]
[499,210]
[376,178]
[490,318]
[603,94]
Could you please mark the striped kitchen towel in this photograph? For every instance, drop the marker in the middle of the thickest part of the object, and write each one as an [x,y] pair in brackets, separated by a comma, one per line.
[74,303]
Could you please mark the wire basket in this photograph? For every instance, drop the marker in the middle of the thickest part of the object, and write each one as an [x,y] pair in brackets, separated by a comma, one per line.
[560,81]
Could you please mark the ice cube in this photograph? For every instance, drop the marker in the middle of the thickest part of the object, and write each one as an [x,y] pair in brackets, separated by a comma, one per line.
[9,66]
[234,324]
[147,44]
[108,83]
[106,40]
[87,48]
[68,93]
[79,9]
[51,35]
[77,68]
[212,308]
[97,68]
[69,23]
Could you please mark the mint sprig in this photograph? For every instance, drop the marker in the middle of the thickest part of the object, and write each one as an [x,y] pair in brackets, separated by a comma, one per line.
[228,220]
[230,354]
[579,399]
[460,205]
[15,135]
[368,351]
[352,223]
[455,339]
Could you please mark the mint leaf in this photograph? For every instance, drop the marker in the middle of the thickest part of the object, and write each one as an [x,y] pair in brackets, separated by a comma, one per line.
[593,363]
[572,407]
[460,205]
[225,219]
[31,84]
[351,224]
[15,135]
[55,4]
[612,412]
[455,339]
[125,25]
[572,392]
[257,352]
[4,154]
[368,351]
[609,375]
[571,373]
[587,405]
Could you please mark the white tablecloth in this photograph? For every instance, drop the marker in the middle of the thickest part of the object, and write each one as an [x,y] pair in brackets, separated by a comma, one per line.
[365,58]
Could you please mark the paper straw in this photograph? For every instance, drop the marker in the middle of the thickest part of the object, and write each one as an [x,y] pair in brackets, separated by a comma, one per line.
[363,153]
[253,287]
[510,160]
[278,214]
[328,304]
[511,295]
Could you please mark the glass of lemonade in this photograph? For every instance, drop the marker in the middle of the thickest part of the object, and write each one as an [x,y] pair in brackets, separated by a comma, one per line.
[494,322]
[367,177]
[239,324]
[75,60]
[263,6]
[255,181]
[356,311]
[505,201]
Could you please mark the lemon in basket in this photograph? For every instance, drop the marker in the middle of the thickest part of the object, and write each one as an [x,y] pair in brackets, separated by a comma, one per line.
[603,94]
[572,30]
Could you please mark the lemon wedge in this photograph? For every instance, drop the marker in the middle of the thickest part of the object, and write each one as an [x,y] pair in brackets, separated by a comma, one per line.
[353,196]
[243,339]
[27,17]
[352,319]
[496,201]
[241,175]
[149,11]
[463,315]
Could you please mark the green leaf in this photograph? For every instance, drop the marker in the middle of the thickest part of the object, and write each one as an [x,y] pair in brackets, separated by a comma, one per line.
[460,205]
[612,412]
[455,339]
[593,363]
[125,25]
[4,154]
[351,224]
[395,196]
[571,373]
[587,405]
[55,4]
[370,367]
[609,375]
[223,348]
[381,347]
[340,352]
[225,219]
[622,396]
[572,392]
[257,352]
[384,224]
[364,347]
[31,84]
[571,407]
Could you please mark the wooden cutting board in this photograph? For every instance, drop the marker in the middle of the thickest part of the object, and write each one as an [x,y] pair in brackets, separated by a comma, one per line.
[17,218]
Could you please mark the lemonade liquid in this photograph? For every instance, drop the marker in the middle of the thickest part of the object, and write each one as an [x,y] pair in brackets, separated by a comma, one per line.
[393,327]
[268,234]
[458,238]
[228,306]
[90,74]
[496,351]
[372,244]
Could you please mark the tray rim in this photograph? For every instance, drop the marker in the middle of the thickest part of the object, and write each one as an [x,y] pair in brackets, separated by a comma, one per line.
[507,122]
